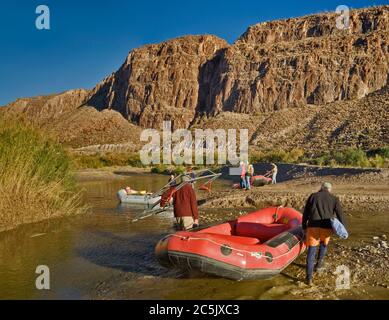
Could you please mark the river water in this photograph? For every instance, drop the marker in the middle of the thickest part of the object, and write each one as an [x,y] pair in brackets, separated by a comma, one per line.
[104,255]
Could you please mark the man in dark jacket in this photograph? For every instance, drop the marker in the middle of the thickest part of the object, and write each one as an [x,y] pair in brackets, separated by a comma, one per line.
[319,209]
[185,206]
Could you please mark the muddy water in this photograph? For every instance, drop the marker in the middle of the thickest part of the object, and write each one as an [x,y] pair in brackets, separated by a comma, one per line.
[103,255]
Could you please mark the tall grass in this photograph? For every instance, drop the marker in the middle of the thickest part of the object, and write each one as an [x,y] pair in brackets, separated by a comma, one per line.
[36,182]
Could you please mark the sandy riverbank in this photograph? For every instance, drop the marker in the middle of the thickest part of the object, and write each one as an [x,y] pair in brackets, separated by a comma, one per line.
[358,189]
[361,191]
[367,264]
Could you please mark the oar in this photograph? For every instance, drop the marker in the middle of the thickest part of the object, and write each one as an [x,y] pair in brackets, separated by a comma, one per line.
[150,214]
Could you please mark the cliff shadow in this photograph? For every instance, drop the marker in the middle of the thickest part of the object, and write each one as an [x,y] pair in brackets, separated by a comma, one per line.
[207,78]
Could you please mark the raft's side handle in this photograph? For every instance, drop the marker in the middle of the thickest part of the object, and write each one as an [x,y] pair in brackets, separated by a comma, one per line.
[275,216]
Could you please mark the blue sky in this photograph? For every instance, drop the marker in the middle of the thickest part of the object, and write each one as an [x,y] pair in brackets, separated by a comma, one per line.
[90,39]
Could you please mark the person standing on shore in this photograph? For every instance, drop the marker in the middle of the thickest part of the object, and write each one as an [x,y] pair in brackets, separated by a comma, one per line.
[249,175]
[185,206]
[243,175]
[320,208]
[273,172]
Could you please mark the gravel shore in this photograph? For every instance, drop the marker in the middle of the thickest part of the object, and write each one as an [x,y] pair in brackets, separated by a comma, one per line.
[358,189]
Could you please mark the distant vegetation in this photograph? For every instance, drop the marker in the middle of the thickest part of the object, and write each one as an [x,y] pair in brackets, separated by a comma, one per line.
[97,161]
[36,182]
[163,169]
[378,158]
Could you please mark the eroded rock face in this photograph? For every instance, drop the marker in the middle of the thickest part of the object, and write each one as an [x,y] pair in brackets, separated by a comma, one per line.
[282,64]
[362,123]
[159,82]
[272,66]
[296,83]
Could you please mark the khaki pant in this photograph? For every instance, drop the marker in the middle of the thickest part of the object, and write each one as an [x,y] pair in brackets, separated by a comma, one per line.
[185,223]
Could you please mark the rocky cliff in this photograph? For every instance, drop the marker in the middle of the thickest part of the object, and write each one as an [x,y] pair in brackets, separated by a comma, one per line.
[159,82]
[272,66]
[299,82]
[295,62]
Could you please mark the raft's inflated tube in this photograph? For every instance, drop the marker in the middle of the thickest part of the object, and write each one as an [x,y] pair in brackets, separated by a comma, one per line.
[256,246]
[136,199]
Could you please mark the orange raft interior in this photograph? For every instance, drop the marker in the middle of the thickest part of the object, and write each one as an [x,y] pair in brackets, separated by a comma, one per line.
[255,246]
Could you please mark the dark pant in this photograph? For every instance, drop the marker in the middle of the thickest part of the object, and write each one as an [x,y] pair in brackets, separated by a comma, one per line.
[311,259]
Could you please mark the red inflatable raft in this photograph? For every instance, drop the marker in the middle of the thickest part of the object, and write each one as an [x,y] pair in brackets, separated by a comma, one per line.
[256,246]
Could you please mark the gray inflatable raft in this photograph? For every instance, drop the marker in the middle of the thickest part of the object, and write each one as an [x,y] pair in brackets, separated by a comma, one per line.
[137,199]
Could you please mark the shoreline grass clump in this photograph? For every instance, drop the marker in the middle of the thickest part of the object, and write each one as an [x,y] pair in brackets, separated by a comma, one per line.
[98,161]
[36,180]
[349,157]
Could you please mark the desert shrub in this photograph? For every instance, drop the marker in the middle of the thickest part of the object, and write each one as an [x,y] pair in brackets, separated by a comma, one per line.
[352,157]
[323,160]
[295,155]
[164,169]
[382,152]
[378,161]
[96,161]
[159,169]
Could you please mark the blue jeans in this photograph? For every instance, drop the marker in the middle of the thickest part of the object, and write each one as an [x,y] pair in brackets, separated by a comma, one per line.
[242,182]
[311,259]
[248,182]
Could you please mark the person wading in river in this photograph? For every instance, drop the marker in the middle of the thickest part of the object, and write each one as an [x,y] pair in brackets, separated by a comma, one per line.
[319,209]
[185,206]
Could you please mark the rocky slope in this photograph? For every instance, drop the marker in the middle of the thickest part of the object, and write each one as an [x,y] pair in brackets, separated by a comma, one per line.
[360,123]
[89,127]
[74,124]
[44,109]
[359,190]
[298,82]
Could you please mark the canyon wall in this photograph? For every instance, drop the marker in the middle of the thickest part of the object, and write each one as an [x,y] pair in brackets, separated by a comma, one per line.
[300,82]
[159,82]
[295,62]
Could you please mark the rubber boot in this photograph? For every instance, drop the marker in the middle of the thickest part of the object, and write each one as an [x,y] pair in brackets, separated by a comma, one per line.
[320,262]
[311,257]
